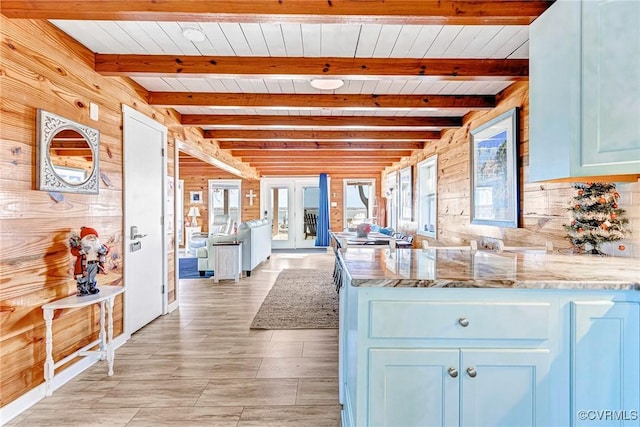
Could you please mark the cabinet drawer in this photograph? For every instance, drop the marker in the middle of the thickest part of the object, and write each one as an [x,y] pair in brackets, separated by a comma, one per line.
[438,320]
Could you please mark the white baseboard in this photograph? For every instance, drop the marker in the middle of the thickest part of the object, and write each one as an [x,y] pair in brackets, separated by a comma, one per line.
[33,396]
[173,306]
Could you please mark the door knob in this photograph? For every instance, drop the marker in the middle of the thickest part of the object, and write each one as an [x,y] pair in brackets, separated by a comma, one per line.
[453,372]
[472,372]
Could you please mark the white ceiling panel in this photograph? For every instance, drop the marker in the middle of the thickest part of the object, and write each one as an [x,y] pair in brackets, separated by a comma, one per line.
[254,38]
[386,41]
[310,40]
[301,86]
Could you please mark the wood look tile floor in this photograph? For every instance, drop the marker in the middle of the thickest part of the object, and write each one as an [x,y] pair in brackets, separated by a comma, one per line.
[202,366]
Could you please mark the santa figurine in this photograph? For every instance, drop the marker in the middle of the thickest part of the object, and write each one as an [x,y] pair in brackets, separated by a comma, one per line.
[90,257]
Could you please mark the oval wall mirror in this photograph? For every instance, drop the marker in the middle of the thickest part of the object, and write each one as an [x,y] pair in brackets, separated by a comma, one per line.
[67,155]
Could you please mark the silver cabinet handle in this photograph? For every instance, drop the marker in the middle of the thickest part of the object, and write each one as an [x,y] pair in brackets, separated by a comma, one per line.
[464,322]
[453,372]
[472,372]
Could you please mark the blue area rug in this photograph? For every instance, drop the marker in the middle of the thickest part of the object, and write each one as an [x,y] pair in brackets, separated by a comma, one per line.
[189,269]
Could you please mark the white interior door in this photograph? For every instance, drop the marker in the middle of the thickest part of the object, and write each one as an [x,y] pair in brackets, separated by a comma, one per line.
[145,261]
[277,203]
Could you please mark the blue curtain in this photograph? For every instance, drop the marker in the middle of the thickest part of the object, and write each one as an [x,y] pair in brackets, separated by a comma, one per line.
[322,229]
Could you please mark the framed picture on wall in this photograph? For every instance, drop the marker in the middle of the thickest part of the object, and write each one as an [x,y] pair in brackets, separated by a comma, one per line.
[406,193]
[494,171]
[195,196]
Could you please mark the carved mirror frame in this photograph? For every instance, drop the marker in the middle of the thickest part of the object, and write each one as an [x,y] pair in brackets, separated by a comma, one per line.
[47,126]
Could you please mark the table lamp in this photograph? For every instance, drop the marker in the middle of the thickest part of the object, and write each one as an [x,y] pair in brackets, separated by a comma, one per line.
[194,213]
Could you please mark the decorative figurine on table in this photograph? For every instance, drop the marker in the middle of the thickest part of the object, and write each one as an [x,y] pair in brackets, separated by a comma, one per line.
[363,229]
[90,258]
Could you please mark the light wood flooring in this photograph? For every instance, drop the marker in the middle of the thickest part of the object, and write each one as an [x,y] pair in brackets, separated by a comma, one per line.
[202,366]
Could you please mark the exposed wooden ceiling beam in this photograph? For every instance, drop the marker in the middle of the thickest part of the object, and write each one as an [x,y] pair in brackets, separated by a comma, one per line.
[307,170]
[287,162]
[319,135]
[259,100]
[233,66]
[331,154]
[441,12]
[326,145]
[313,121]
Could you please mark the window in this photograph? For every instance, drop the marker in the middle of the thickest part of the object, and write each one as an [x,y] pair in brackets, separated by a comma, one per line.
[224,198]
[391,195]
[359,202]
[428,196]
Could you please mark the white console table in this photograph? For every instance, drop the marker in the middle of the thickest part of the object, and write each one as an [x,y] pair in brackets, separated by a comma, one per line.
[106,299]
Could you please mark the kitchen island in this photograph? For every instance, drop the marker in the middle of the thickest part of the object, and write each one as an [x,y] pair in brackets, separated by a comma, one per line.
[448,338]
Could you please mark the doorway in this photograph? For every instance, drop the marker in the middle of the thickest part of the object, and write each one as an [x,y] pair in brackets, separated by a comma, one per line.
[145,261]
[292,206]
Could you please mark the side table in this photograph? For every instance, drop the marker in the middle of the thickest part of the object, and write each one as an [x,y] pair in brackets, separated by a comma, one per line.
[106,299]
[227,261]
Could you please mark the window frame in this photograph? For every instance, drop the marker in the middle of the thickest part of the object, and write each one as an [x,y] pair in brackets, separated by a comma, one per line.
[423,166]
[372,198]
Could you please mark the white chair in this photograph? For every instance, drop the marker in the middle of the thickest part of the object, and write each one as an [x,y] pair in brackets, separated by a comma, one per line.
[548,247]
[221,224]
[472,246]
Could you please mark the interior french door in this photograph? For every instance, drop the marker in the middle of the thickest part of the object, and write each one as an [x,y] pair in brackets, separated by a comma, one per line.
[286,202]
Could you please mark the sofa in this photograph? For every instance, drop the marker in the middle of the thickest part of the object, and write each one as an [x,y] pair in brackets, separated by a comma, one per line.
[255,236]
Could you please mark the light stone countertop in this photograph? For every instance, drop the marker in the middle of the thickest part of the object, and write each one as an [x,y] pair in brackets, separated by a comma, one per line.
[383,267]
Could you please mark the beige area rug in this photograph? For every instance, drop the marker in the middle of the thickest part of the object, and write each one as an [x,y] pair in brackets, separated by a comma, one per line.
[299,299]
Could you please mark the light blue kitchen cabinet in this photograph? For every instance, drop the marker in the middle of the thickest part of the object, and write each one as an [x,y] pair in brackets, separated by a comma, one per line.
[584,90]
[414,387]
[605,339]
[451,387]
[505,388]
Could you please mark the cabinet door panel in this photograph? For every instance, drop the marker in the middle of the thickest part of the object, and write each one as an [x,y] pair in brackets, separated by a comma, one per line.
[510,388]
[554,90]
[410,387]
[606,358]
[610,95]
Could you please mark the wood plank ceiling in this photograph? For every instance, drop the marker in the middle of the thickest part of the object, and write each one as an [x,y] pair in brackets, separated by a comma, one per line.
[411,69]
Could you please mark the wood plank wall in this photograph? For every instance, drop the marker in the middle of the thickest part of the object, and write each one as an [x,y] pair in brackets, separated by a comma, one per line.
[543,205]
[41,67]
[196,176]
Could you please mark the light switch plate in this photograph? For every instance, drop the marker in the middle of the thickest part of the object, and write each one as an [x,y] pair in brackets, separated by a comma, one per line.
[94,111]
[334,204]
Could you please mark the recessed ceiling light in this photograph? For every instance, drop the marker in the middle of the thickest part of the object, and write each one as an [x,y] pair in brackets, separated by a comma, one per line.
[193,34]
[326,84]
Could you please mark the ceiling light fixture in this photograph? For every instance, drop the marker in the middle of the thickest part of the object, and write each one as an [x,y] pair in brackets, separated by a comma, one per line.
[193,34]
[326,84]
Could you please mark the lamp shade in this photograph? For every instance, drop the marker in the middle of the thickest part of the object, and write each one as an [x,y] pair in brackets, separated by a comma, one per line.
[194,211]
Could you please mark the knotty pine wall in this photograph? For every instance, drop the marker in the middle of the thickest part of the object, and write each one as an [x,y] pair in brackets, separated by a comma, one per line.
[196,176]
[543,206]
[41,67]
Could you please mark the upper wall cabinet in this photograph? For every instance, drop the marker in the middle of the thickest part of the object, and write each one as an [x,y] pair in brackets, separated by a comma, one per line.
[584,90]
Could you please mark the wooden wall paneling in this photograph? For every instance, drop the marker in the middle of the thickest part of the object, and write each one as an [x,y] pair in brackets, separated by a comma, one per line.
[43,68]
[250,211]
